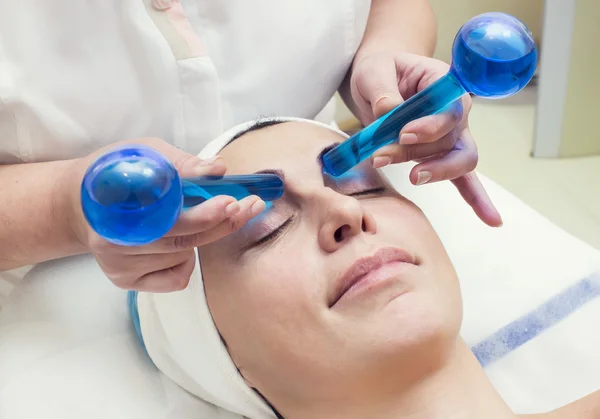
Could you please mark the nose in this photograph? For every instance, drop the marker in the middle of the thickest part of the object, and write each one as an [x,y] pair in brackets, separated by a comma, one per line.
[344,218]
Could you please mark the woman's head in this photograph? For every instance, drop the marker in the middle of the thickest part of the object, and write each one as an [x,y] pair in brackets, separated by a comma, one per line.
[278,288]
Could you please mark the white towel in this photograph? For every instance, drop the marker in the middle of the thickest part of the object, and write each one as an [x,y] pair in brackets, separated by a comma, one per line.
[530,291]
[182,339]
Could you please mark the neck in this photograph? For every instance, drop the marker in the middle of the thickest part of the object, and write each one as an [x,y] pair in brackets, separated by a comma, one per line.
[459,389]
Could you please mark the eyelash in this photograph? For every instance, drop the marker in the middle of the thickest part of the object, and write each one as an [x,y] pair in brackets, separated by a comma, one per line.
[369,192]
[275,233]
[281,229]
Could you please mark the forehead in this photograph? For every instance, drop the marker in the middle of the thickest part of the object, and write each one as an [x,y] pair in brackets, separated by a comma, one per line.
[282,146]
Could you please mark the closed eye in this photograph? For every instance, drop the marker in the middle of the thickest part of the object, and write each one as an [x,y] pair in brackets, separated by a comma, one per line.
[374,191]
[283,227]
[274,234]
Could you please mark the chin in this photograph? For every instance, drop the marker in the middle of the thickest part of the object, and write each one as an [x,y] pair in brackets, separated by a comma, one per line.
[414,325]
[411,345]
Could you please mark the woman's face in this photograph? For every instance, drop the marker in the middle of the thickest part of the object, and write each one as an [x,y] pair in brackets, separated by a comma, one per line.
[339,287]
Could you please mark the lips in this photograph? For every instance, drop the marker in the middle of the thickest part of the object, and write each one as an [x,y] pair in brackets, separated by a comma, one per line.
[361,269]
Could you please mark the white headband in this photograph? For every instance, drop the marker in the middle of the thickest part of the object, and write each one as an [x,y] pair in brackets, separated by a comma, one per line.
[182,339]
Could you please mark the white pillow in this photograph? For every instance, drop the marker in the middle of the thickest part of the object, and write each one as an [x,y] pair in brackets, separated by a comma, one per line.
[527,279]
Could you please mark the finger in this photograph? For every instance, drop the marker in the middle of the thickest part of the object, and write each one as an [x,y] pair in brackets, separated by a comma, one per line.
[124,271]
[461,160]
[432,127]
[474,194]
[397,153]
[184,234]
[202,231]
[377,84]
[174,278]
[249,207]
[187,165]
[205,216]
[190,166]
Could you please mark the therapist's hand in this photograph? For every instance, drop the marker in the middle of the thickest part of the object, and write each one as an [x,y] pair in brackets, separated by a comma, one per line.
[167,264]
[442,144]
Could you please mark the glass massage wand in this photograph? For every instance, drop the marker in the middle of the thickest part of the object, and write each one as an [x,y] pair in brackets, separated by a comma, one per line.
[494,56]
[133,195]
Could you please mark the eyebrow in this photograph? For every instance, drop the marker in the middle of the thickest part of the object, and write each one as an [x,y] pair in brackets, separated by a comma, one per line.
[281,173]
[277,172]
[325,151]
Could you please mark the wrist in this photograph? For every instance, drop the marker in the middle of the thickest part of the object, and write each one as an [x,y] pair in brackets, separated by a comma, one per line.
[66,206]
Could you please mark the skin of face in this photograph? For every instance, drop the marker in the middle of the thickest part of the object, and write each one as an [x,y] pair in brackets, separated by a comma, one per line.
[274,301]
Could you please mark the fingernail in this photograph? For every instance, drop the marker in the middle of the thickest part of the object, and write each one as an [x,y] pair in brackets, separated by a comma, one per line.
[203,167]
[258,207]
[381,161]
[208,162]
[423,177]
[384,97]
[407,139]
[232,209]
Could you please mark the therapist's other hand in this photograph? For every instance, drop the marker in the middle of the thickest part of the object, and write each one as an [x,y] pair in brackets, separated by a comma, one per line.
[166,264]
[442,144]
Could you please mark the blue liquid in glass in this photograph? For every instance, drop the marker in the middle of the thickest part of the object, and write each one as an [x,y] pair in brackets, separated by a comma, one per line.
[494,59]
[268,187]
[133,195]
[494,56]
[386,129]
[130,197]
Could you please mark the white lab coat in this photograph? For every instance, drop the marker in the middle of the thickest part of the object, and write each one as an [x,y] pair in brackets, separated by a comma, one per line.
[77,75]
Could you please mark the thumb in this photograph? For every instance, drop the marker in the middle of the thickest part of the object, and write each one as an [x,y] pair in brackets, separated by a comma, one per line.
[189,165]
[377,83]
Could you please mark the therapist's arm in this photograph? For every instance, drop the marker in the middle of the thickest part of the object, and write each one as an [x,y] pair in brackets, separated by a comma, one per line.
[34,224]
[400,25]
[41,219]
[395,25]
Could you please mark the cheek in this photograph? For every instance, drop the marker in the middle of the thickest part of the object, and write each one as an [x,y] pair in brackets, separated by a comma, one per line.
[438,294]
[273,312]
[260,305]
[422,328]
[401,221]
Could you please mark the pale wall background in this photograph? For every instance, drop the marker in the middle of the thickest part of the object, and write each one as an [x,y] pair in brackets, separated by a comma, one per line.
[580,133]
[452,14]
[565,190]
